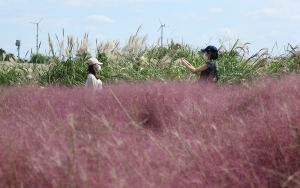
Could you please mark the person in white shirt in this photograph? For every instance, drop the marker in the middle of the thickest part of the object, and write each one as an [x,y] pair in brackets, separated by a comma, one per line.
[93,79]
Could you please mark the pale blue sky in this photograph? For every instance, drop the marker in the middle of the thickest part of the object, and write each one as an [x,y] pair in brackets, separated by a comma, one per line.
[196,22]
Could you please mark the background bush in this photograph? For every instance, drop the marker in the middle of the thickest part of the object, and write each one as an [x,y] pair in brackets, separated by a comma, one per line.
[136,61]
[38,58]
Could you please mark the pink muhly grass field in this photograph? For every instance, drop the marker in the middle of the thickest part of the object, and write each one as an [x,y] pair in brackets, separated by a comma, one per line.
[152,135]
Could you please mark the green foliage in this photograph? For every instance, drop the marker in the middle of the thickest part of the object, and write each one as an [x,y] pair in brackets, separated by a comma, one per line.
[38,58]
[9,57]
[68,73]
[11,76]
[102,57]
[137,62]
[21,60]
[15,73]
[2,52]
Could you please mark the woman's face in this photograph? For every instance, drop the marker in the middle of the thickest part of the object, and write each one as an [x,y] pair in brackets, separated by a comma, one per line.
[207,54]
[97,67]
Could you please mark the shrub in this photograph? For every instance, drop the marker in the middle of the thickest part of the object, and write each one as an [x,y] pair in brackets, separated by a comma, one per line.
[2,53]
[67,73]
[38,58]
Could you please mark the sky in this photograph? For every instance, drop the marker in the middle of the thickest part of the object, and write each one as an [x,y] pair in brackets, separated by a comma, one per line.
[271,24]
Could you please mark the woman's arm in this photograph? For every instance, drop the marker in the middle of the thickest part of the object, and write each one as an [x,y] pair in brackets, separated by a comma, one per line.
[192,68]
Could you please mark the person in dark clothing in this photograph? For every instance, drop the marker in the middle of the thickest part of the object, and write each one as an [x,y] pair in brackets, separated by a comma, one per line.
[207,72]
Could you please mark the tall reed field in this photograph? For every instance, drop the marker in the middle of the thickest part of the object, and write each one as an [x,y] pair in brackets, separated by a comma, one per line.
[178,134]
[136,61]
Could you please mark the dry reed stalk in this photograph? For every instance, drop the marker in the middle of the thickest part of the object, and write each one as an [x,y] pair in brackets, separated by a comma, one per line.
[74,149]
[11,60]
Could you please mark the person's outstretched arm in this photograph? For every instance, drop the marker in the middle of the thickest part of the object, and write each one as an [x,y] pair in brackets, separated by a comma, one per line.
[192,68]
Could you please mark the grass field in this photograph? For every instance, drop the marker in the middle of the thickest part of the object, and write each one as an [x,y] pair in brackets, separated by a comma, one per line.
[152,125]
[177,134]
[136,61]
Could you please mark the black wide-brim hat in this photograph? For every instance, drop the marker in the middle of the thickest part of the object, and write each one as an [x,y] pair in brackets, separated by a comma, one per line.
[209,49]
